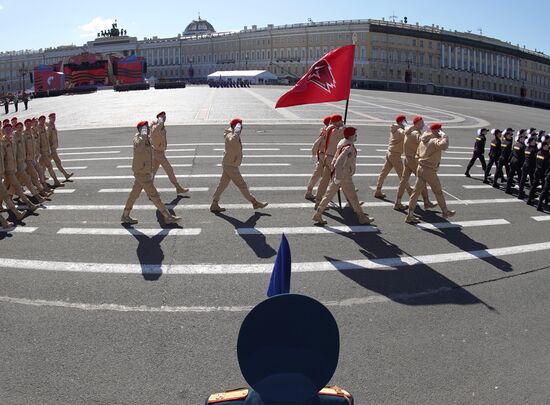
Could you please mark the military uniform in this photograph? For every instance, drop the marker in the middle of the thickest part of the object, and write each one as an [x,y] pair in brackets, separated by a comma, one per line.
[479,152]
[4,195]
[45,150]
[31,162]
[54,144]
[159,144]
[494,153]
[142,166]
[21,164]
[504,159]
[543,158]
[393,156]
[232,159]
[516,162]
[344,165]
[40,169]
[529,166]
[318,152]
[410,146]
[431,146]
[545,193]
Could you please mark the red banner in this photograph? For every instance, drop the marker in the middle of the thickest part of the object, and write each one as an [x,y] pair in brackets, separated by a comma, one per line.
[328,79]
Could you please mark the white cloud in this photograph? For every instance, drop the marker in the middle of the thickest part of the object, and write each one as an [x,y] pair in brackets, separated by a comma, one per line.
[96,25]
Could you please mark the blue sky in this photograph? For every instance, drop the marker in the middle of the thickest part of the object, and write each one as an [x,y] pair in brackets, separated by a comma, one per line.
[41,23]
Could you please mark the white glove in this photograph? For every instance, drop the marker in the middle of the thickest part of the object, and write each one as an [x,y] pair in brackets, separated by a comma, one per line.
[336,181]
[442,133]
[238,128]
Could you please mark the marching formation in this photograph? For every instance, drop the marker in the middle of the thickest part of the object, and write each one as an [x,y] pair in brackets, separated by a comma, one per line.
[523,156]
[26,152]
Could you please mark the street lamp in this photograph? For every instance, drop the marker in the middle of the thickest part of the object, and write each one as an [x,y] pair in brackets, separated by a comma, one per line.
[22,72]
[246,62]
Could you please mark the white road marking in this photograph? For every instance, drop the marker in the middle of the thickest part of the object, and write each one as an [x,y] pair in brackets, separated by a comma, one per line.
[477,186]
[308,230]
[266,268]
[59,207]
[382,164]
[542,218]
[289,188]
[19,229]
[130,231]
[73,168]
[286,113]
[173,165]
[457,152]
[64,190]
[462,224]
[89,153]
[309,150]
[160,190]
[253,149]
[260,164]
[180,150]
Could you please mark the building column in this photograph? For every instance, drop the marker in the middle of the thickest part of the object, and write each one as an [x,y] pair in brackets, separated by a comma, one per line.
[492,64]
[469,61]
[442,55]
[463,59]
[450,57]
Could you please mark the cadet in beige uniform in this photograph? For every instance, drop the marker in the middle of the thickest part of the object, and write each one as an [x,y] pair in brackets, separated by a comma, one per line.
[10,167]
[344,164]
[21,164]
[410,145]
[45,151]
[317,153]
[54,144]
[41,170]
[159,144]
[232,159]
[142,166]
[30,156]
[4,195]
[393,156]
[432,144]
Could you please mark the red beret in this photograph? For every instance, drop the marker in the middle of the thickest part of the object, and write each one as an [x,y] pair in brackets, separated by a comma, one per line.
[417,118]
[326,120]
[14,118]
[6,121]
[161,113]
[28,120]
[7,125]
[400,118]
[141,124]
[336,118]
[42,117]
[51,114]
[435,126]
[349,131]
[235,121]
[19,124]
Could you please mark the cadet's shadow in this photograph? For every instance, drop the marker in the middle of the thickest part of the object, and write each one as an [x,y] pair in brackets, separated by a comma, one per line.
[467,244]
[149,250]
[256,241]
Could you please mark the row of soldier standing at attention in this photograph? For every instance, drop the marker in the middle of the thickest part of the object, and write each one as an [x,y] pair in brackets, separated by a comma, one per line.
[523,156]
[27,150]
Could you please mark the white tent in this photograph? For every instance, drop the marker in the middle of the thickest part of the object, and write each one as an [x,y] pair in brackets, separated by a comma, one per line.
[253,76]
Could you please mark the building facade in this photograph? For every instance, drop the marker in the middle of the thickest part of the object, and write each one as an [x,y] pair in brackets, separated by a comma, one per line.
[389,55]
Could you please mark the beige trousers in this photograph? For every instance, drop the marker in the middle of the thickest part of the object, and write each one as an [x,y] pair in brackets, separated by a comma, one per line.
[232,174]
[159,159]
[317,173]
[426,175]
[393,161]
[347,186]
[409,167]
[144,182]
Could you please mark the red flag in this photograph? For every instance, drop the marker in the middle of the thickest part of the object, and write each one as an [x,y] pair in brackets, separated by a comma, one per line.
[328,79]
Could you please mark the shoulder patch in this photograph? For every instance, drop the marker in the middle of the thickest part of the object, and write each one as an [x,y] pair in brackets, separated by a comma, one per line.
[479,139]
[232,395]
[335,391]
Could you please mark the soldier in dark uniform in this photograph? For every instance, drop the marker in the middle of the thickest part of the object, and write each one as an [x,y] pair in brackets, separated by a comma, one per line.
[529,164]
[540,169]
[504,159]
[288,350]
[545,193]
[26,101]
[517,159]
[6,105]
[479,151]
[16,102]
[494,153]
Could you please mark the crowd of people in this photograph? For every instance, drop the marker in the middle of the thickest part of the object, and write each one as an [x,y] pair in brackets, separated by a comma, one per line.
[524,156]
[15,99]
[27,150]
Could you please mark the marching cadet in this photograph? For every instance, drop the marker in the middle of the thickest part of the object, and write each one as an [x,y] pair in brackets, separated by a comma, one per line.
[335,133]
[142,166]
[21,164]
[30,160]
[159,144]
[10,167]
[479,151]
[529,164]
[545,193]
[317,153]
[45,151]
[393,156]
[4,195]
[40,169]
[232,159]
[504,159]
[410,146]
[517,159]
[54,144]
[494,153]
[344,168]
[432,144]
[543,159]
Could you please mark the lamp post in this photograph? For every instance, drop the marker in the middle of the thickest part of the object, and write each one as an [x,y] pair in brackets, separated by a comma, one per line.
[22,72]
[246,62]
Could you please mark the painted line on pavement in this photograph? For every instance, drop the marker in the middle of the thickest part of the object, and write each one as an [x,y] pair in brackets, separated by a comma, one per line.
[476,187]
[252,149]
[162,190]
[89,153]
[73,168]
[19,229]
[542,218]
[181,150]
[64,190]
[307,230]
[382,164]
[260,164]
[266,268]
[462,224]
[130,231]
[173,165]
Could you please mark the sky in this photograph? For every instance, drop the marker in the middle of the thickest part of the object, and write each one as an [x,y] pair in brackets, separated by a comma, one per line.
[41,24]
